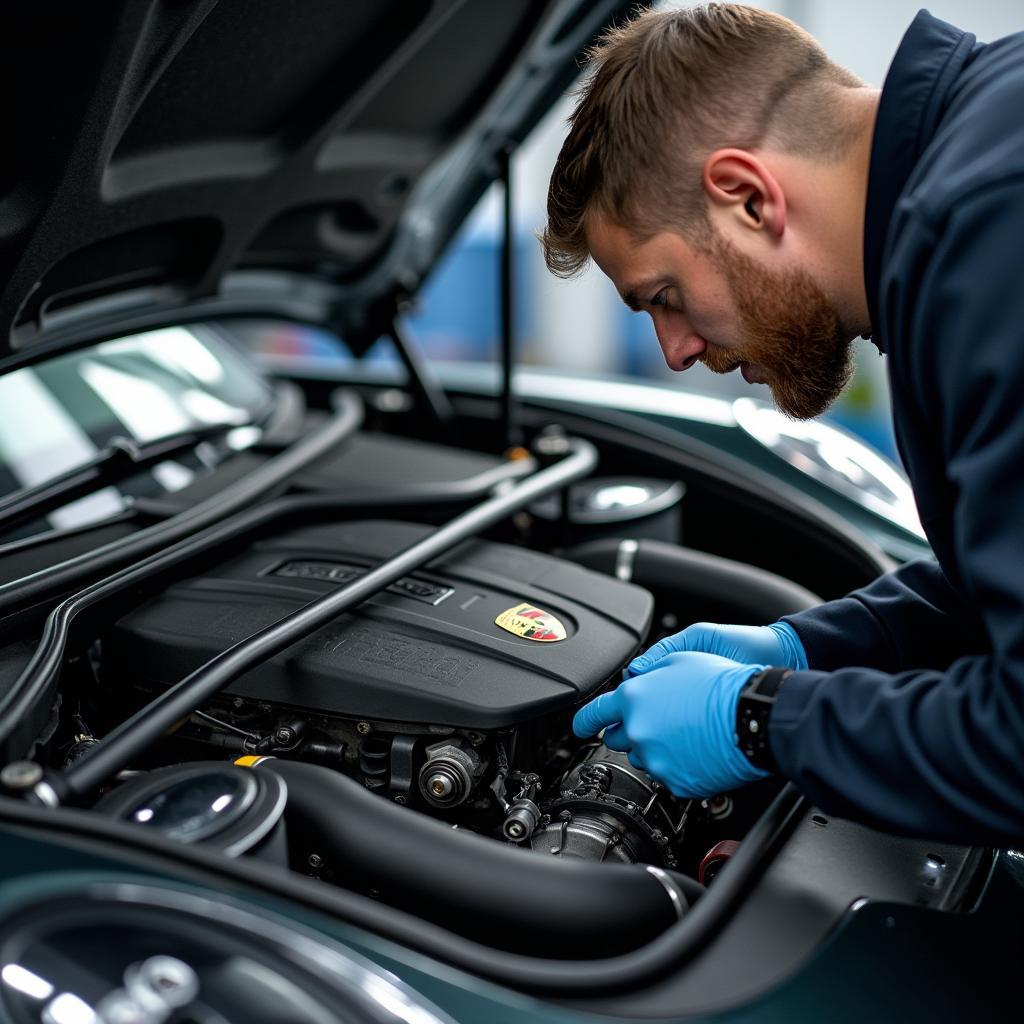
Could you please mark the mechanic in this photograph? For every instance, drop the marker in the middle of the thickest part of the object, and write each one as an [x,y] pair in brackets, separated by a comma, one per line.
[765,208]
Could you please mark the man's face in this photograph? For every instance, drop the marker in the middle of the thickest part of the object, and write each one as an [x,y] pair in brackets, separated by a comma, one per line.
[716,305]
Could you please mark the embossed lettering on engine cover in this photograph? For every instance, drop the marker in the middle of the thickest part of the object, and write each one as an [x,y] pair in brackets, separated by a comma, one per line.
[394,650]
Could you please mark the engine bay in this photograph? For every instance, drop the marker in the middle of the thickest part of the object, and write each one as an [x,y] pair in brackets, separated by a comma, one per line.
[382,703]
[449,693]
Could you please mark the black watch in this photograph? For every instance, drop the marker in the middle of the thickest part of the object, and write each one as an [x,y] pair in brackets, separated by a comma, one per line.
[752,712]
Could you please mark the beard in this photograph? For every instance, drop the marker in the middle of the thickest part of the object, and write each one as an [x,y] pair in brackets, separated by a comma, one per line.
[790,330]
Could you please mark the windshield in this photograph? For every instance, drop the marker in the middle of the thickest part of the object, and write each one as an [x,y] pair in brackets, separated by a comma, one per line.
[65,413]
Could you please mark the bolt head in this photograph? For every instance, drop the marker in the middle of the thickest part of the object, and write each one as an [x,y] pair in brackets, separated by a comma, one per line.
[176,982]
[440,786]
[399,799]
[315,860]
[516,830]
[120,1008]
[551,444]
[20,775]
[284,736]
[363,728]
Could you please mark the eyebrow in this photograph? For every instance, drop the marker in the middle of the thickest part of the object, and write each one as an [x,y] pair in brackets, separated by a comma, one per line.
[631,296]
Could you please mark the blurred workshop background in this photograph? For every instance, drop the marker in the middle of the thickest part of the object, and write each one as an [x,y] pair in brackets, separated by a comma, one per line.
[582,325]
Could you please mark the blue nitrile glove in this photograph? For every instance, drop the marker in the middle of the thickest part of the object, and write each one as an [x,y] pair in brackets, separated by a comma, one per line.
[677,721]
[777,644]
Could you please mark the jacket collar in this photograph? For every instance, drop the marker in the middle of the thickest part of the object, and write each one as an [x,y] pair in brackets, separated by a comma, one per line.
[927,63]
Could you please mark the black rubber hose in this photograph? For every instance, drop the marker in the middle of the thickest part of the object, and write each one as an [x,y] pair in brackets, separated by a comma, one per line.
[668,952]
[755,593]
[512,899]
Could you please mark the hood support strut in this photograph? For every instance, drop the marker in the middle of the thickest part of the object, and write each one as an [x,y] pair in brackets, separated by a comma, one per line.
[429,394]
[510,433]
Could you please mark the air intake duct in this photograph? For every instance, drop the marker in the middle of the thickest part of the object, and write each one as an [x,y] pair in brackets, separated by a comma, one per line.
[497,894]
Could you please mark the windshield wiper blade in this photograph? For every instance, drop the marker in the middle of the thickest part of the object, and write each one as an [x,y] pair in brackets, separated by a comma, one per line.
[120,459]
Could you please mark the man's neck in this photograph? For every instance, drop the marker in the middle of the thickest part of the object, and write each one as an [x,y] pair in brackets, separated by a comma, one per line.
[843,244]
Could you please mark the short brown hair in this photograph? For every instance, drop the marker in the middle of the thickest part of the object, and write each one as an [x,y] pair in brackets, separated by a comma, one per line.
[666,90]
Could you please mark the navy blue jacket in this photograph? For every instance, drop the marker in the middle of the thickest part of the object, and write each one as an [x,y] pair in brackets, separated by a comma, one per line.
[926,733]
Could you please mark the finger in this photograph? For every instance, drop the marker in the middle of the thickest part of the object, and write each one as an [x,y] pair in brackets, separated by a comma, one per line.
[635,761]
[693,638]
[668,645]
[593,717]
[616,738]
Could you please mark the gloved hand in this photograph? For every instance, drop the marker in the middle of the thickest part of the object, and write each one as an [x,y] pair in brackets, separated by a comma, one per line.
[677,721]
[777,644]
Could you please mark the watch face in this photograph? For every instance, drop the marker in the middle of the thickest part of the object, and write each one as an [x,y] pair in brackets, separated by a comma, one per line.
[752,715]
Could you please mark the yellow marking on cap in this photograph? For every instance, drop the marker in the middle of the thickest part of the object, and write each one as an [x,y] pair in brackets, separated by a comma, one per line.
[250,760]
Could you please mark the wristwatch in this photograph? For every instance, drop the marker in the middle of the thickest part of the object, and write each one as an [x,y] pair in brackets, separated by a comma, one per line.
[752,712]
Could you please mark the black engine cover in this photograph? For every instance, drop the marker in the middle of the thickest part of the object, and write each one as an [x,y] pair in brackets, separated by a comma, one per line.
[427,650]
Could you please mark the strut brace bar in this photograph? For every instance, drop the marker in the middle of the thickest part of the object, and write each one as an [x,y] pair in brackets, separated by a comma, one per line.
[126,741]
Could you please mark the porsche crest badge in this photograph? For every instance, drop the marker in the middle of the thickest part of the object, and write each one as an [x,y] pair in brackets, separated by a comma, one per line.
[532,623]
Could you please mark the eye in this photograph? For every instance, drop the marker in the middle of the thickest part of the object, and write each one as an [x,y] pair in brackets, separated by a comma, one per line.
[660,299]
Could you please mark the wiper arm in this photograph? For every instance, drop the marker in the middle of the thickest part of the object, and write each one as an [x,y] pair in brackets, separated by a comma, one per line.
[121,459]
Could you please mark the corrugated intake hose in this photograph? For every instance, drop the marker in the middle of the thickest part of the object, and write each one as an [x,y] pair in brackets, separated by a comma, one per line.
[503,896]
[696,576]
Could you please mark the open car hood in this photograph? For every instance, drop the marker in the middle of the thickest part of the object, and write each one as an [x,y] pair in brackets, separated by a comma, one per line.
[171,161]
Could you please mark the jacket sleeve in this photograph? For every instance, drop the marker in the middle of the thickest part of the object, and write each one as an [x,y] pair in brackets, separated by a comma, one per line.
[941,753]
[909,618]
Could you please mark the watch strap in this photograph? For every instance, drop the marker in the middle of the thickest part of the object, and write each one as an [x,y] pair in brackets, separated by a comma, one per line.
[752,713]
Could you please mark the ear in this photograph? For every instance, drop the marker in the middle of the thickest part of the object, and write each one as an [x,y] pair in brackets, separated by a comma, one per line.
[739,183]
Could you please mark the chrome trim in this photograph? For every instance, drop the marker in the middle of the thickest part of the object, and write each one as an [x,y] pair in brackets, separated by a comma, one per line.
[679,903]
[625,560]
[266,825]
[46,794]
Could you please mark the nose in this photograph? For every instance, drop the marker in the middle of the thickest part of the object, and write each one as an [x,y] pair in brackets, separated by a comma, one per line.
[680,346]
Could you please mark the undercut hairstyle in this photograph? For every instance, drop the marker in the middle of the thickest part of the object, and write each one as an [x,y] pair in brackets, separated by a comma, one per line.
[666,90]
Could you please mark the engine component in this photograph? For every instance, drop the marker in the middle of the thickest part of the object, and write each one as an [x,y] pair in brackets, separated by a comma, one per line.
[213,803]
[699,579]
[485,890]
[522,816]
[449,773]
[522,820]
[714,860]
[384,465]
[720,806]
[427,650]
[609,810]
[617,507]
[81,746]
